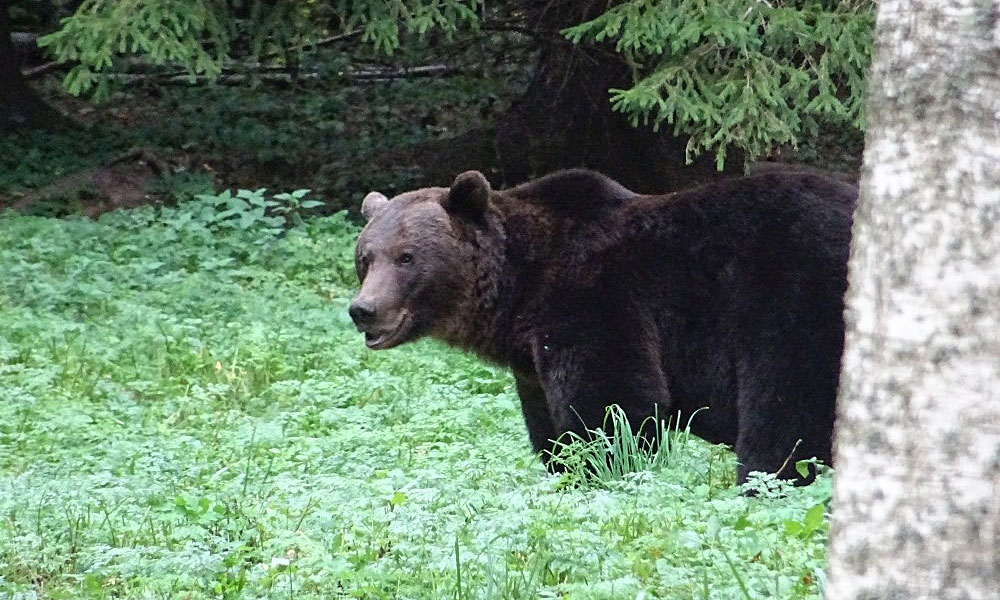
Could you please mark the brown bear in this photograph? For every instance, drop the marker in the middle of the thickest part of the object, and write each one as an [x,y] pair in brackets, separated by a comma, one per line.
[727,297]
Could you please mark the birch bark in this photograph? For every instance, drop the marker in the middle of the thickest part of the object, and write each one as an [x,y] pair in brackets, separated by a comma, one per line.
[916,509]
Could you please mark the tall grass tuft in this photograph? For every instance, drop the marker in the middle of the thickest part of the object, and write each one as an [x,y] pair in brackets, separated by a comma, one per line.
[615,450]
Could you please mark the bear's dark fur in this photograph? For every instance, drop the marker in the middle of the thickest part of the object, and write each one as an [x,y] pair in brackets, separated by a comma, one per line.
[727,296]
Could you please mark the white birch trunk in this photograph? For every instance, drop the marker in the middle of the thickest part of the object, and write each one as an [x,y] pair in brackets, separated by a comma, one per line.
[916,510]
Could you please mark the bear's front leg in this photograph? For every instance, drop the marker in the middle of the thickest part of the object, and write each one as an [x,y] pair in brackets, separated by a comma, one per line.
[581,380]
[535,409]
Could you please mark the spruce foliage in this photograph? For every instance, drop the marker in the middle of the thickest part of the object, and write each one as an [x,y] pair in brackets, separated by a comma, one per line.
[748,73]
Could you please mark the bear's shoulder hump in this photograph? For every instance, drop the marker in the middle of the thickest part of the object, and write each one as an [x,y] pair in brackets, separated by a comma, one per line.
[573,188]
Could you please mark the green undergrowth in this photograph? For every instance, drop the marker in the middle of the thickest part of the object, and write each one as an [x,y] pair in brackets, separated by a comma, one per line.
[186,411]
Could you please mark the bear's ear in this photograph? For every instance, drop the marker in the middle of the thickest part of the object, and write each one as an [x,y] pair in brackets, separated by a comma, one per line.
[373,203]
[469,195]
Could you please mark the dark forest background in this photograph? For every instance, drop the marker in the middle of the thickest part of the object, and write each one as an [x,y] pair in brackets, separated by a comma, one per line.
[104,106]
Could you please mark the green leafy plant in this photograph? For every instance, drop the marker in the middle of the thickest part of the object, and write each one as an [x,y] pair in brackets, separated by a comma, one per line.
[291,205]
[246,210]
[813,521]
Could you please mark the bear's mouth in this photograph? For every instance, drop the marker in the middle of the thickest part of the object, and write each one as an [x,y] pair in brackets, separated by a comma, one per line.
[390,337]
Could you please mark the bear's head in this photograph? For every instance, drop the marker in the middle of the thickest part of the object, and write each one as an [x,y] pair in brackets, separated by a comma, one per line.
[414,259]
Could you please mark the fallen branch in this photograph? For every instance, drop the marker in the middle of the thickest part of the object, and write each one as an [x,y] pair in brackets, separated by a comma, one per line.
[224,79]
[143,154]
[386,74]
[271,73]
[40,70]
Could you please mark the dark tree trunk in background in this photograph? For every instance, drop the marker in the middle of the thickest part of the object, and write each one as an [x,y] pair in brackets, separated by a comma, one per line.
[564,119]
[20,106]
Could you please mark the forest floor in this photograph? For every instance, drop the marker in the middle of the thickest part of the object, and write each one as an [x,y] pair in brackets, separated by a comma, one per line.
[159,140]
[187,412]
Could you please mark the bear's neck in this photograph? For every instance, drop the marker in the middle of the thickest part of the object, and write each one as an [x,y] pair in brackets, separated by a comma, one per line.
[481,317]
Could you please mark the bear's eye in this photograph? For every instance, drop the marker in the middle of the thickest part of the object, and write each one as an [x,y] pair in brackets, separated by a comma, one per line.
[405,258]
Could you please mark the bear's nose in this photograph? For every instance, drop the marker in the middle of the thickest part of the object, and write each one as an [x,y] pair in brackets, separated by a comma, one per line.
[362,312]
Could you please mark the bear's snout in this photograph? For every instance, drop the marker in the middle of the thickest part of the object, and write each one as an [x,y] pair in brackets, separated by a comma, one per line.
[362,312]
[384,328]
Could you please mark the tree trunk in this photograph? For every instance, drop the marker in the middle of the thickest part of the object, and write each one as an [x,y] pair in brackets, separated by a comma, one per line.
[564,119]
[20,106]
[916,510]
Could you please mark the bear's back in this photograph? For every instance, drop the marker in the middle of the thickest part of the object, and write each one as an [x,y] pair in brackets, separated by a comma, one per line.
[572,190]
[678,244]
[574,226]
[747,201]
